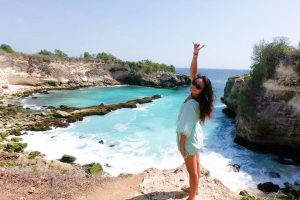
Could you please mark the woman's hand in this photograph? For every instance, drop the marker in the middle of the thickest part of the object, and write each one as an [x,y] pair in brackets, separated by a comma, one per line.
[181,144]
[182,151]
[197,47]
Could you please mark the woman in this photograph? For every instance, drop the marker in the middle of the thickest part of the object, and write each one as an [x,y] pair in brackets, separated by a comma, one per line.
[196,108]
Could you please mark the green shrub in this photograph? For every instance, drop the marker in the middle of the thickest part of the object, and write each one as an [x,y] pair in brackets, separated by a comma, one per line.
[6,48]
[15,147]
[16,139]
[9,163]
[105,56]
[266,57]
[248,197]
[88,56]
[33,154]
[60,53]
[148,67]
[4,134]
[95,168]
[45,52]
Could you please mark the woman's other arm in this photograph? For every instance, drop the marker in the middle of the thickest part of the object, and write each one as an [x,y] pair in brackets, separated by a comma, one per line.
[181,144]
[194,64]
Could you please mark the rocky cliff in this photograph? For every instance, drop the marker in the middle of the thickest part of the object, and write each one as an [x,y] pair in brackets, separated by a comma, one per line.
[268,116]
[36,70]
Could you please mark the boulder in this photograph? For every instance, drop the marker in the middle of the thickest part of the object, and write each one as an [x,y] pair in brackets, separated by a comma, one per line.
[268,187]
[67,158]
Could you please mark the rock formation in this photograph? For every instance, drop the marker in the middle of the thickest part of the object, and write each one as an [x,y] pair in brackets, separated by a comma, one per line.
[268,116]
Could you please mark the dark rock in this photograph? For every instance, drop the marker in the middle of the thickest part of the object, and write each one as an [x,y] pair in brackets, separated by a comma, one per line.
[67,158]
[101,142]
[291,191]
[286,161]
[112,145]
[268,187]
[63,107]
[107,165]
[230,113]
[235,167]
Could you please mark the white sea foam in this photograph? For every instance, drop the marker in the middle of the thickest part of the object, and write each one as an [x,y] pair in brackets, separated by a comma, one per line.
[220,106]
[219,168]
[133,155]
[121,127]
[127,156]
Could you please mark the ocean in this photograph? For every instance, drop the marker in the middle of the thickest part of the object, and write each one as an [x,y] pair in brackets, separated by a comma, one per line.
[143,137]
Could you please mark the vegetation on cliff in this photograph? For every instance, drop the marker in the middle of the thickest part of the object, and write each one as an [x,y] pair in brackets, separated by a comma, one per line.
[149,67]
[143,66]
[6,48]
[266,56]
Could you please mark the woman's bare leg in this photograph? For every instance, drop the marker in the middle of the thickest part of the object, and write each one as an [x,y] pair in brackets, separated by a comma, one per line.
[191,166]
[198,168]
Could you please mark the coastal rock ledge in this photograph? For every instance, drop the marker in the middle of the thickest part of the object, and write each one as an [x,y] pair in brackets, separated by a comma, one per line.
[268,116]
[43,71]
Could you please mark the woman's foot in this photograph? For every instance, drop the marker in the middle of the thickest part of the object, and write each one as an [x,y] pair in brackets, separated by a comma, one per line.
[187,189]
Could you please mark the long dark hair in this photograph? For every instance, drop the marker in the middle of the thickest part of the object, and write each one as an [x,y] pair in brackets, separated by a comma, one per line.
[206,99]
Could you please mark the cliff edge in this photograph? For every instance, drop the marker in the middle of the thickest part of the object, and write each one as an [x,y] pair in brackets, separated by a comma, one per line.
[266,102]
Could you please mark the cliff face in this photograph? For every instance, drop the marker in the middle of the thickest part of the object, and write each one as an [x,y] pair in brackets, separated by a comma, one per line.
[272,123]
[36,70]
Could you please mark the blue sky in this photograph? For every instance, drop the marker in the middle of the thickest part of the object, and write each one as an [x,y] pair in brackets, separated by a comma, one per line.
[161,31]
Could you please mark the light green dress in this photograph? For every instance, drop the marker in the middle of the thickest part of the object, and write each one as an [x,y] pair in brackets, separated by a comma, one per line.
[188,123]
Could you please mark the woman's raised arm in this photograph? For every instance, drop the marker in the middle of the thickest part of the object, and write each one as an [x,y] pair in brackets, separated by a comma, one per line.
[193,69]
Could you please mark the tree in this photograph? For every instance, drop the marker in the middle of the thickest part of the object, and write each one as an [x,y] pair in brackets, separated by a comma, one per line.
[6,48]
[45,52]
[105,56]
[87,56]
[60,53]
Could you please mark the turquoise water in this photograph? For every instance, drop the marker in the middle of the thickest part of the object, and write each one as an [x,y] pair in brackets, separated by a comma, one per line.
[143,137]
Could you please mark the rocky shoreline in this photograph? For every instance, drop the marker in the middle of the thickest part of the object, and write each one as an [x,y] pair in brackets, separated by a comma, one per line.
[28,175]
[40,178]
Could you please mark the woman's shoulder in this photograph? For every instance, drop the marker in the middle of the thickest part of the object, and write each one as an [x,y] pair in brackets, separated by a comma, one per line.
[192,103]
